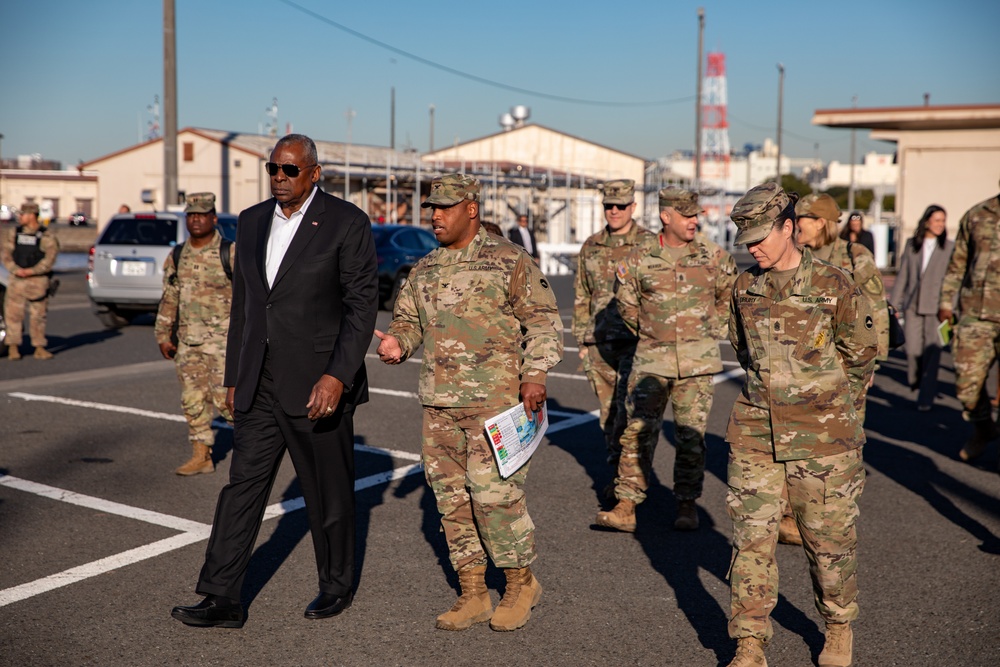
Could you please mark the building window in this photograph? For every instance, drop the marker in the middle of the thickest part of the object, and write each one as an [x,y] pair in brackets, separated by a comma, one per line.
[85,206]
[189,151]
[237,163]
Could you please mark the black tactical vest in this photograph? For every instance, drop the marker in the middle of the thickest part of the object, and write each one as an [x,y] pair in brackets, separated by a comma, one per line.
[28,248]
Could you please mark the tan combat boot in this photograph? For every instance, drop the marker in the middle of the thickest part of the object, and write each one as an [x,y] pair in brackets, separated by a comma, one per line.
[42,353]
[200,462]
[622,517]
[473,605]
[749,653]
[13,353]
[985,431]
[839,646]
[687,515]
[523,592]
[788,531]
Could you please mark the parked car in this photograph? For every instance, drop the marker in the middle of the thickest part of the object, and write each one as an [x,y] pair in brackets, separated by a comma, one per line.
[125,269]
[398,247]
[78,220]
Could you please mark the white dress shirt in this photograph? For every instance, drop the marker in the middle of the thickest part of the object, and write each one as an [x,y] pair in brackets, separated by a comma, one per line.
[526,239]
[282,231]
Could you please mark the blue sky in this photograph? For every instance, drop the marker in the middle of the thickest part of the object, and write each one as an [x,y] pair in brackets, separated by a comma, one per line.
[76,77]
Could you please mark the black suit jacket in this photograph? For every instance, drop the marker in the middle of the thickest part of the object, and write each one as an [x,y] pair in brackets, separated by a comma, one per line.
[319,316]
[515,237]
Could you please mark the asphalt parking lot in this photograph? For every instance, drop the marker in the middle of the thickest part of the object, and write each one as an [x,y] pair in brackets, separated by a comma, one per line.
[99,539]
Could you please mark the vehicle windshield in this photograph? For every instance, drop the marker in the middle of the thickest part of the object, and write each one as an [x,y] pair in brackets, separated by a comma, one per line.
[129,231]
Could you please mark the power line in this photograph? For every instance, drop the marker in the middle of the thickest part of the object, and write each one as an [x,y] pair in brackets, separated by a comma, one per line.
[476,78]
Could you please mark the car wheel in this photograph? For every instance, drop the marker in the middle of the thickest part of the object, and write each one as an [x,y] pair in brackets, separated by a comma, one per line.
[111,317]
[397,285]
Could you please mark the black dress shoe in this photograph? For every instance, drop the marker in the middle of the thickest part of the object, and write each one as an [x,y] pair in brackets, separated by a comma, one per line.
[213,611]
[326,605]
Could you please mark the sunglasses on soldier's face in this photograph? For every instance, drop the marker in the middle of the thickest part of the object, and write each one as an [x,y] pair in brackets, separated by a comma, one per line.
[620,207]
[291,170]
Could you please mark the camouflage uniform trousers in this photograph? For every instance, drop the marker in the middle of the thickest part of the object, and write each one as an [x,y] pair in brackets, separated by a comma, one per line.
[976,345]
[200,369]
[478,508]
[31,292]
[691,400]
[823,494]
[608,366]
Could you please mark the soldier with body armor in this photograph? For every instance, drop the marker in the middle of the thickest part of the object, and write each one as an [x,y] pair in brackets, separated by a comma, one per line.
[28,253]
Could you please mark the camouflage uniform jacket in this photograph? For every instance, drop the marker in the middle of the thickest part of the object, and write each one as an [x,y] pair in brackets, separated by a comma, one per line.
[679,310]
[974,269]
[48,245]
[487,319]
[595,315]
[202,289]
[809,352]
[859,262]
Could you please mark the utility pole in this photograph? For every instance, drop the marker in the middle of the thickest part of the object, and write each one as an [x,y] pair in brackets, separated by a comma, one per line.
[350,113]
[781,99]
[169,105]
[1,169]
[850,190]
[430,149]
[697,103]
[392,118]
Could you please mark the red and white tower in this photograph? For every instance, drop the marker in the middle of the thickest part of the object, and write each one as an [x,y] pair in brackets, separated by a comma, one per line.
[715,124]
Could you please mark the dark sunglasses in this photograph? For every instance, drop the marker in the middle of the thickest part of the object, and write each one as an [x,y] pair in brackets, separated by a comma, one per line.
[620,207]
[291,170]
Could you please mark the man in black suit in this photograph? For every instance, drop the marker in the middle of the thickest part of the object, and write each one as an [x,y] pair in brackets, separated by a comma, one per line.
[523,236]
[305,295]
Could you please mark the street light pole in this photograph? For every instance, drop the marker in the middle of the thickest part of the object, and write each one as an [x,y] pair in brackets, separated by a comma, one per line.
[1,169]
[781,94]
[850,190]
[697,103]
[430,149]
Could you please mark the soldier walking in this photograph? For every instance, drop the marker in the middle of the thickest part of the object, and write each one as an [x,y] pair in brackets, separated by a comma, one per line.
[673,293]
[974,277]
[804,333]
[197,294]
[607,346]
[28,253]
[491,331]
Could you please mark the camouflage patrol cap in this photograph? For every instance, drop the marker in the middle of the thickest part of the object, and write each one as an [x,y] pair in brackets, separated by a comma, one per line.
[817,205]
[619,192]
[683,201]
[29,207]
[200,202]
[757,210]
[451,189]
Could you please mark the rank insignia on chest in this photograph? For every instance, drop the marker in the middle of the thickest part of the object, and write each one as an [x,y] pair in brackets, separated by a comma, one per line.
[869,323]
[621,271]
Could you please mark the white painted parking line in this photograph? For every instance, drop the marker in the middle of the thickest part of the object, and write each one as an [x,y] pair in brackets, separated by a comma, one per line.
[101,505]
[98,406]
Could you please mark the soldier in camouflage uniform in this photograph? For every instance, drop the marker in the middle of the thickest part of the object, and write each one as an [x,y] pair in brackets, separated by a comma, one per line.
[974,276]
[197,295]
[805,334]
[673,293]
[816,227]
[491,331]
[606,344]
[28,253]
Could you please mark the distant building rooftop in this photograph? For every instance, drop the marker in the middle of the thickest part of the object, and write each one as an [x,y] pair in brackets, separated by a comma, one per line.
[956,117]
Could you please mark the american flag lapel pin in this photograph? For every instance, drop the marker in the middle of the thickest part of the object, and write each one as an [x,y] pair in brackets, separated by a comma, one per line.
[315,223]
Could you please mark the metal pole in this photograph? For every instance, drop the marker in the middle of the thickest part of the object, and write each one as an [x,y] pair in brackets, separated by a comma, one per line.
[850,189]
[347,154]
[169,105]
[781,93]
[430,149]
[392,118]
[1,169]
[697,102]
